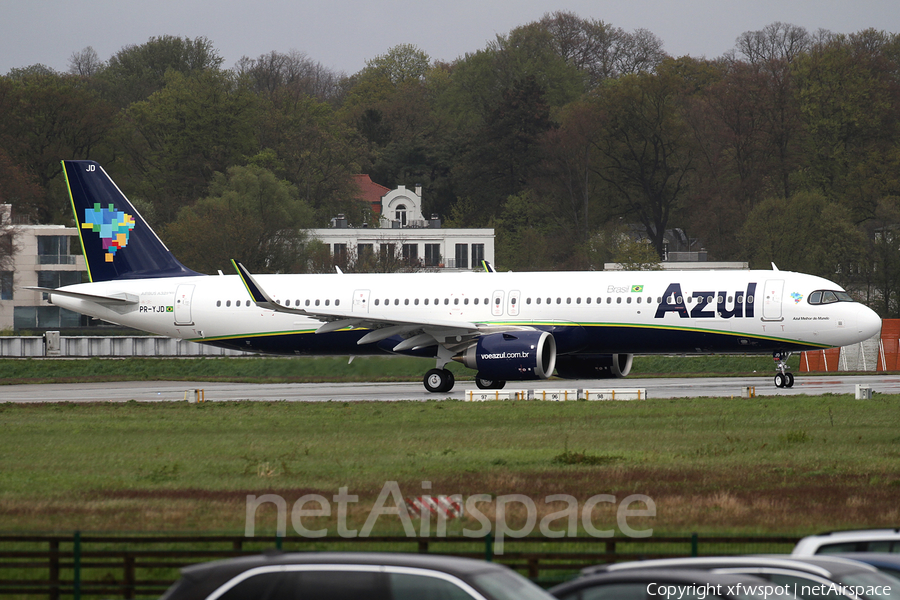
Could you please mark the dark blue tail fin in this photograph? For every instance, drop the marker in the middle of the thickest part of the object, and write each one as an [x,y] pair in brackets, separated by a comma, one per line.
[117,242]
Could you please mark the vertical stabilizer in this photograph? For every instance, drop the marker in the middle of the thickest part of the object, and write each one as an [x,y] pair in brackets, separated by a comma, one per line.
[117,242]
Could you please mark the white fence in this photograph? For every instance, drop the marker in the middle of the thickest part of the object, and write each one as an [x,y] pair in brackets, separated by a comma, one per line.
[87,346]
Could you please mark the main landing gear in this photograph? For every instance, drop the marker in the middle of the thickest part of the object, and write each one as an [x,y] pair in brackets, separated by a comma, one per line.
[439,380]
[488,384]
[783,378]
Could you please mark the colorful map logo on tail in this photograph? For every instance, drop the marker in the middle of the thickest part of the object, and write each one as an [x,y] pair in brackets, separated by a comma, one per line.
[114,227]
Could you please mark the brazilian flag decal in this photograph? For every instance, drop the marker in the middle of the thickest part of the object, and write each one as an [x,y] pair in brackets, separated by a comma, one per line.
[637,288]
[170,309]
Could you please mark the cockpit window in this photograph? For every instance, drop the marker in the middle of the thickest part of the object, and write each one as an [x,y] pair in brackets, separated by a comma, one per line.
[829,297]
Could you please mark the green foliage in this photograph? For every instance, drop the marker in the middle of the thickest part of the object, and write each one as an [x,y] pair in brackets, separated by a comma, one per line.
[191,128]
[135,72]
[249,215]
[805,233]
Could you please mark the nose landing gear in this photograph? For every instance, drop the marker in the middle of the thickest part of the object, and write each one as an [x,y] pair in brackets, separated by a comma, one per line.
[783,379]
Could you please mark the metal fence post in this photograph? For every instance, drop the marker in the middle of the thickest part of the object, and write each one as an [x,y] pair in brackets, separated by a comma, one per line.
[76,566]
[694,544]
[54,569]
[489,547]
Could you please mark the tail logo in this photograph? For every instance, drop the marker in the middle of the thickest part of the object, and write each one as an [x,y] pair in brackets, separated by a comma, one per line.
[114,227]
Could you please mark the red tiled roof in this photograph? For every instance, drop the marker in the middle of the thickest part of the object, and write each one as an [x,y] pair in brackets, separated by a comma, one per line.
[370,192]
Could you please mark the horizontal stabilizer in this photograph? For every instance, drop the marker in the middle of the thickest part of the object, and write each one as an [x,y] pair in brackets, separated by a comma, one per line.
[121,298]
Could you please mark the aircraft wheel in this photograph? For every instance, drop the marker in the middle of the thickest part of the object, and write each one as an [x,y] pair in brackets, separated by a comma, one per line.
[484,384]
[780,380]
[439,380]
[790,380]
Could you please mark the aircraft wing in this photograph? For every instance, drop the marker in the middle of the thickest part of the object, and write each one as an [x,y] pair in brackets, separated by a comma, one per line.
[121,298]
[416,333]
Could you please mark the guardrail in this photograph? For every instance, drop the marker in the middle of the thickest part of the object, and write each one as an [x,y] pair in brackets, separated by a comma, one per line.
[136,566]
[114,346]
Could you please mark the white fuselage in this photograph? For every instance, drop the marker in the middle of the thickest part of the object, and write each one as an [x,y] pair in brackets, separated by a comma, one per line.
[591,312]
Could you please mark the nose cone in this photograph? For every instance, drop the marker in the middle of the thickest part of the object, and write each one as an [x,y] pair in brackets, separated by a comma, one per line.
[868,322]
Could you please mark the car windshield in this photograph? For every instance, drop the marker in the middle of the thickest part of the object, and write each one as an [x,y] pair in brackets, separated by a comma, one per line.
[873,586]
[507,586]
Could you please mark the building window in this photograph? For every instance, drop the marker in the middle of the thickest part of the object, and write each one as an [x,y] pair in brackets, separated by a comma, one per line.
[462,256]
[58,279]
[400,215]
[365,253]
[432,255]
[388,252]
[477,255]
[54,250]
[46,317]
[340,254]
[411,253]
[6,285]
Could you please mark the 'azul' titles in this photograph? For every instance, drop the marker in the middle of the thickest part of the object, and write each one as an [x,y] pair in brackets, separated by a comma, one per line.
[707,305]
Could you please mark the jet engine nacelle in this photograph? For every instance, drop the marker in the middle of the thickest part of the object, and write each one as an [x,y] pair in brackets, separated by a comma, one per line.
[594,366]
[512,356]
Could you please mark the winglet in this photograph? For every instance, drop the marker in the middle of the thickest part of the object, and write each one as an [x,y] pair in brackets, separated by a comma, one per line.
[256,292]
[488,267]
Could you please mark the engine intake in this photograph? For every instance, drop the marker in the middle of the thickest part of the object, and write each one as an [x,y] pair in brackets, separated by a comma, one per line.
[594,366]
[512,356]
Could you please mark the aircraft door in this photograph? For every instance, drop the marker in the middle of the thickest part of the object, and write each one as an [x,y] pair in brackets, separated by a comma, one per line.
[361,301]
[183,295]
[772,300]
[497,303]
[512,308]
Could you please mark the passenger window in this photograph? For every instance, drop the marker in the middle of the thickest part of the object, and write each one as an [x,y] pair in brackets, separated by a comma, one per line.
[619,300]
[228,303]
[376,301]
[456,301]
[396,301]
[466,301]
[327,302]
[218,303]
[413,587]
[537,300]
[609,299]
[416,301]
[476,301]
[628,300]
[406,302]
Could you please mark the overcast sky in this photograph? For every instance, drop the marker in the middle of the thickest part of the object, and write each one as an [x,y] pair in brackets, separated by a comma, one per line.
[343,34]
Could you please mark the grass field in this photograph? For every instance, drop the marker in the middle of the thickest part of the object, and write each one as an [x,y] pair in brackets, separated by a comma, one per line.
[316,369]
[791,465]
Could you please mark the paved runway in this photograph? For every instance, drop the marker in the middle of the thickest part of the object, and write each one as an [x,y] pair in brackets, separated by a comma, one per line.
[169,391]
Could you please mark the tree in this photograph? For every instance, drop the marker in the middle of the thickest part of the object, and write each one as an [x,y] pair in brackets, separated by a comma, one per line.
[47,118]
[303,142]
[503,155]
[295,72]
[184,133]
[646,148]
[805,233]
[85,63]
[136,72]
[248,215]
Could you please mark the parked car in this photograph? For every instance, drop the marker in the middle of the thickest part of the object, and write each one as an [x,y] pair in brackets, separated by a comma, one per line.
[811,577]
[839,542]
[352,576]
[884,562]
[668,584]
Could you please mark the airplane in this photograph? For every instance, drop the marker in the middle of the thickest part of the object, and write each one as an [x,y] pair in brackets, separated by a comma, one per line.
[506,326]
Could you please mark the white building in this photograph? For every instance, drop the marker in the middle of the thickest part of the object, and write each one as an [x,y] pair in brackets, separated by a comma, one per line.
[404,234]
[46,256]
